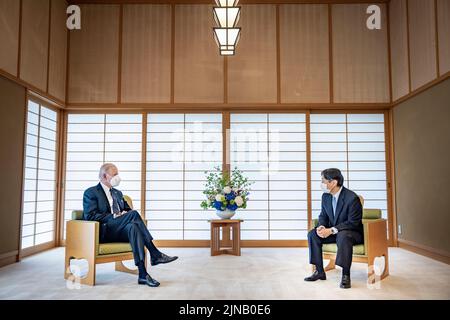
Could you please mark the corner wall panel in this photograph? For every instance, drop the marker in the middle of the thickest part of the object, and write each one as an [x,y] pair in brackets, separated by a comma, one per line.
[146,53]
[252,74]
[421,132]
[34,42]
[9,35]
[360,56]
[443,16]
[304,53]
[198,65]
[94,55]
[399,48]
[422,42]
[58,50]
[12,138]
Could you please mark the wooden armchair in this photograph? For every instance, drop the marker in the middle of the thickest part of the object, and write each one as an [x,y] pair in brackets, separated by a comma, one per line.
[375,244]
[82,242]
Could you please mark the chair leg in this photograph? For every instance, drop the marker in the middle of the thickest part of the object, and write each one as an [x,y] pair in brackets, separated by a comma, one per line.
[386,266]
[67,273]
[122,268]
[90,277]
[119,266]
[331,265]
[371,276]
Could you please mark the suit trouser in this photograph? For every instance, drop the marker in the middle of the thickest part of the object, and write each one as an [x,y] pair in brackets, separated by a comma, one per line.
[128,228]
[345,240]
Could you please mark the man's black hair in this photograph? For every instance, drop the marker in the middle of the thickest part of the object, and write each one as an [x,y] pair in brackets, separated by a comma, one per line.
[333,174]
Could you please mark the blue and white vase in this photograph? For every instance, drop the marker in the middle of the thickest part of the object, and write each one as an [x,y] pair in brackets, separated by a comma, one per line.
[226,214]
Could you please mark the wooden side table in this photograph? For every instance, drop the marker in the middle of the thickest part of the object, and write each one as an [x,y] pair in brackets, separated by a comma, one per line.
[232,246]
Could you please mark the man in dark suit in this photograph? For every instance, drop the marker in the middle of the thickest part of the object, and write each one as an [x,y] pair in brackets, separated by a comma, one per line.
[340,222]
[119,223]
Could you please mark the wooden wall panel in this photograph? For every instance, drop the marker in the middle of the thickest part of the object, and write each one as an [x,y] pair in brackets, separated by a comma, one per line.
[12,139]
[198,65]
[360,56]
[399,48]
[146,53]
[9,35]
[94,54]
[304,53]
[422,42]
[58,50]
[443,10]
[252,74]
[421,134]
[34,42]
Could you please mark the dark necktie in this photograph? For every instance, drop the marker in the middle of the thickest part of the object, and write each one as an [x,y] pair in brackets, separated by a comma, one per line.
[115,206]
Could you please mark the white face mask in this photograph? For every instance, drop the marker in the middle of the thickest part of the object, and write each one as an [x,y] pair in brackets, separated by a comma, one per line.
[115,181]
[324,188]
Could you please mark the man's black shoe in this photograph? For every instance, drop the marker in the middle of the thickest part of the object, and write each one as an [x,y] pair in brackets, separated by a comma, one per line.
[316,276]
[148,281]
[163,258]
[345,282]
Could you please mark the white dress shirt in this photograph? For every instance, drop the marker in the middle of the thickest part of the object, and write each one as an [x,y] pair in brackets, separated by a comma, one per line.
[108,195]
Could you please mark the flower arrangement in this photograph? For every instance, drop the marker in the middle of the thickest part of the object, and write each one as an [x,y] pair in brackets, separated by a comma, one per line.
[225,192]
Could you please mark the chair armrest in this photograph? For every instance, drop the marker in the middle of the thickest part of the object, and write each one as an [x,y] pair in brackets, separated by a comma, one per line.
[314,223]
[375,236]
[82,239]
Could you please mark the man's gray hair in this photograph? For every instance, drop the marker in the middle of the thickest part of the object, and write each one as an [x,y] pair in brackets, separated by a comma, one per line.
[105,168]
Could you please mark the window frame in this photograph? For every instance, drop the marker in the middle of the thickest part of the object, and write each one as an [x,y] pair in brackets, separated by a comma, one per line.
[226,159]
[105,122]
[24,252]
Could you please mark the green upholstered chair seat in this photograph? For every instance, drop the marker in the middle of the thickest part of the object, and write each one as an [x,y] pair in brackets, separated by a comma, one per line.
[332,248]
[113,248]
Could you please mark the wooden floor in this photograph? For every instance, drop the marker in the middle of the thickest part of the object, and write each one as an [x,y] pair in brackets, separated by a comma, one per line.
[260,273]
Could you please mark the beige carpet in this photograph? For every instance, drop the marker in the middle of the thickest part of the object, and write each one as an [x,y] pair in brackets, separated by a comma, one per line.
[260,273]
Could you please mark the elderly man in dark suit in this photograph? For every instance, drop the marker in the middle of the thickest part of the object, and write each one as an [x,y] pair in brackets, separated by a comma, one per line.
[119,223]
[340,222]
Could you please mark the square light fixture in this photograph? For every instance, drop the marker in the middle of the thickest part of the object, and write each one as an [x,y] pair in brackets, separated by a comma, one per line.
[226,34]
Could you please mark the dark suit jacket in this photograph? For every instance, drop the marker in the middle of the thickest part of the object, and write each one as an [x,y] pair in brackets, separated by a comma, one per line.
[96,205]
[348,212]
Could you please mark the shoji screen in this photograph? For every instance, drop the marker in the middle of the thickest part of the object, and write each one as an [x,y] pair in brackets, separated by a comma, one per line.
[38,223]
[270,149]
[93,139]
[180,147]
[355,144]
[367,159]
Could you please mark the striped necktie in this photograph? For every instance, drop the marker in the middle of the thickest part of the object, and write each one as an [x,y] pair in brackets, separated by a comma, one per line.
[115,207]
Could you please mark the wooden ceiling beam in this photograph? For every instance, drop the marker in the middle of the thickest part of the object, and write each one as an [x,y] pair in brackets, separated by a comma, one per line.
[241,2]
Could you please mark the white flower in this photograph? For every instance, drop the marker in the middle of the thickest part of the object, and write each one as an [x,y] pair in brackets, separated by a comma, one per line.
[235,190]
[220,197]
[239,201]
[226,190]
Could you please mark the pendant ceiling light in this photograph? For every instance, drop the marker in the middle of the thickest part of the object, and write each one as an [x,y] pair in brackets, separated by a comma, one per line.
[226,15]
